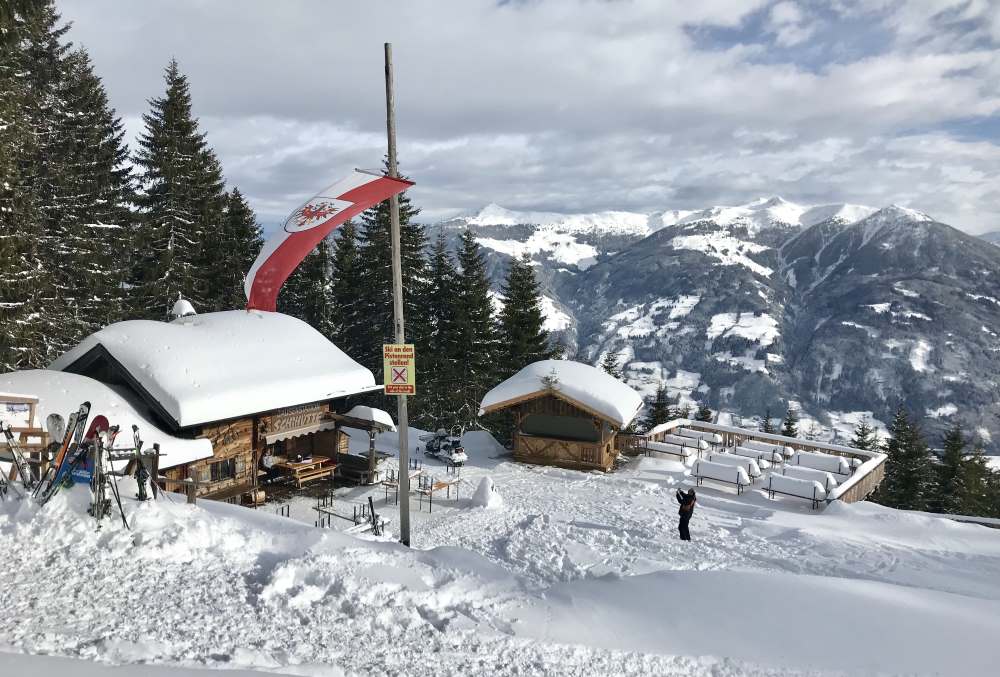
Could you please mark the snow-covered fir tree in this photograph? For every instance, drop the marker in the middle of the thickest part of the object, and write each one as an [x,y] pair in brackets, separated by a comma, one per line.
[350,317]
[235,244]
[704,414]
[865,436]
[66,192]
[610,365]
[373,285]
[522,324]
[21,273]
[308,292]
[181,200]
[439,395]
[909,480]
[950,473]
[790,425]
[658,409]
[476,350]
[766,426]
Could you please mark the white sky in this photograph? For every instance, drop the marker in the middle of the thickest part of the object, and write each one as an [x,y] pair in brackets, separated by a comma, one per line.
[574,106]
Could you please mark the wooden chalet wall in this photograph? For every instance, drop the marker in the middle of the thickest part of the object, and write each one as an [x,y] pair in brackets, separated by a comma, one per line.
[566,453]
[243,440]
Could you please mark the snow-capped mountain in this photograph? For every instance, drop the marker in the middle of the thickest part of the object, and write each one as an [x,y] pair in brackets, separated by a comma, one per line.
[846,310]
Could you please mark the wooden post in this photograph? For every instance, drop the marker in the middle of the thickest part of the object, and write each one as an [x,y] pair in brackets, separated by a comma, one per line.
[397,299]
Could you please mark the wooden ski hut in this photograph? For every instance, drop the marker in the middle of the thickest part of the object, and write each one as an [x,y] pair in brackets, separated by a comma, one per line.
[257,385]
[565,413]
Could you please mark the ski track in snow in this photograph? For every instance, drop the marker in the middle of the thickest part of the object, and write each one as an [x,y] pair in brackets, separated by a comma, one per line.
[224,587]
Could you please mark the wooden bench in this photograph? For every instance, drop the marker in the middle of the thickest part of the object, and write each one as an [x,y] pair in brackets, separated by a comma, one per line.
[303,476]
[810,490]
[717,472]
[428,485]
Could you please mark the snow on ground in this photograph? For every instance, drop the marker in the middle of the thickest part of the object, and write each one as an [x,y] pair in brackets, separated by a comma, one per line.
[562,247]
[726,248]
[601,222]
[919,353]
[762,328]
[943,410]
[576,573]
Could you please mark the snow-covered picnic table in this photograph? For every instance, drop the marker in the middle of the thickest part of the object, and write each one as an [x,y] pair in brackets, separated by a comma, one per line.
[720,472]
[792,486]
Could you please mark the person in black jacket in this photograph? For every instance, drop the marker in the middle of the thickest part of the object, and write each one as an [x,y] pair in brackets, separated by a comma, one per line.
[687,502]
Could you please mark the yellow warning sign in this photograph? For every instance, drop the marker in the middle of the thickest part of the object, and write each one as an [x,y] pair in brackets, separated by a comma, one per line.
[399,369]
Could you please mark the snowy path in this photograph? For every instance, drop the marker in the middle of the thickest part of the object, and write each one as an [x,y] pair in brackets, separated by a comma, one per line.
[577,574]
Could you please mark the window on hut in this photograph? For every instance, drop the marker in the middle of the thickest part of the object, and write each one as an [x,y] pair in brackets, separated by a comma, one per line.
[560,427]
[224,470]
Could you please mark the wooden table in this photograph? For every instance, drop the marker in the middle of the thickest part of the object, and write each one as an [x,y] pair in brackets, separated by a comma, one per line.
[307,470]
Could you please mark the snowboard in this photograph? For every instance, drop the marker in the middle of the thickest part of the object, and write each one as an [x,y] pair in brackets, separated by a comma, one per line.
[73,438]
[81,466]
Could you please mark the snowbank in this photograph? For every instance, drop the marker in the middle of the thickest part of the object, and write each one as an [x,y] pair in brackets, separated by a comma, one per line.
[61,393]
[487,496]
[223,365]
[575,382]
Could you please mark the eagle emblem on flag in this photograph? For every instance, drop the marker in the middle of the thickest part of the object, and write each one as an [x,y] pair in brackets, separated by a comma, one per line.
[314,213]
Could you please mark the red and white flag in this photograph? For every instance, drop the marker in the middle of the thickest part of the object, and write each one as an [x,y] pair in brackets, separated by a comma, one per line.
[309,224]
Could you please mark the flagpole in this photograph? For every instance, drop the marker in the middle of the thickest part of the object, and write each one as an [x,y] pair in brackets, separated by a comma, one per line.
[397,302]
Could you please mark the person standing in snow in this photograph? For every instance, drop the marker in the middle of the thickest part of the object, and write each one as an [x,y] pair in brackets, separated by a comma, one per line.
[687,502]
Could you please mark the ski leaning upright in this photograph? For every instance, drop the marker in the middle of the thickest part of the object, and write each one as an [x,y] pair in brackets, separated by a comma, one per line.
[23,469]
[74,437]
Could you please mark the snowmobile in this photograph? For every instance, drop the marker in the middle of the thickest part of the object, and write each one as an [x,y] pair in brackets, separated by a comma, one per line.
[444,447]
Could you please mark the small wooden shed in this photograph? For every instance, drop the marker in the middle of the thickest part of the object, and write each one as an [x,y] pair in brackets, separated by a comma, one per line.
[565,413]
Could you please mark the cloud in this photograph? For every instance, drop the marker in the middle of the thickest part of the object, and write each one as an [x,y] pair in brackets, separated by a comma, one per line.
[789,24]
[569,105]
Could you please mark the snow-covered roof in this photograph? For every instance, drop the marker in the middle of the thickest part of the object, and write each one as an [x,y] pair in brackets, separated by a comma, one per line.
[379,416]
[579,383]
[224,365]
[61,393]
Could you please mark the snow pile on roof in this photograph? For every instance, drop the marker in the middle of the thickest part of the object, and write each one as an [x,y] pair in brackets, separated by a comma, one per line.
[581,383]
[62,393]
[364,413]
[223,365]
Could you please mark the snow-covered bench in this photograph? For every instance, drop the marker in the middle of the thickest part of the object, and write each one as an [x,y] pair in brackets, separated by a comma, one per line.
[792,486]
[684,441]
[787,452]
[672,449]
[803,473]
[764,458]
[711,438]
[748,464]
[827,462]
[706,470]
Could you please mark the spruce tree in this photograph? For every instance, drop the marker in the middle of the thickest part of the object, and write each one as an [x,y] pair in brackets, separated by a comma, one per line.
[90,225]
[865,436]
[790,426]
[908,482]
[308,293]
[658,410]
[683,411]
[441,396]
[522,324]
[181,204]
[235,243]
[951,475]
[21,273]
[704,414]
[765,425]
[374,283]
[980,487]
[476,351]
[349,317]
[610,365]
